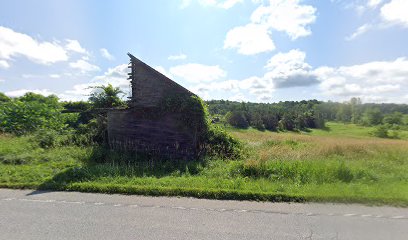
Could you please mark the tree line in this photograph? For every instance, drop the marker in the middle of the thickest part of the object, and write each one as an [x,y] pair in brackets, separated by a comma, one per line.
[33,112]
[388,118]
[367,114]
[288,115]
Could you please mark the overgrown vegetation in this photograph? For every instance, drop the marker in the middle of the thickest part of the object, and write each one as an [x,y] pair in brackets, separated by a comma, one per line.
[305,115]
[278,166]
[30,113]
[282,116]
[58,146]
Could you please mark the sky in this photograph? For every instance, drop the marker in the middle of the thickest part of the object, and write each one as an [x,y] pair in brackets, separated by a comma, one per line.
[241,50]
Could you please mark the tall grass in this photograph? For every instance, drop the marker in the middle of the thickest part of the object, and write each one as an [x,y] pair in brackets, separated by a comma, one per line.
[275,166]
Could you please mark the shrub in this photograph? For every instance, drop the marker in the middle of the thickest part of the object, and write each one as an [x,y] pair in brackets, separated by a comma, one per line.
[31,113]
[46,138]
[381,132]
[344,173]
[237,119]
[212,140]
[393,118]
[219,143]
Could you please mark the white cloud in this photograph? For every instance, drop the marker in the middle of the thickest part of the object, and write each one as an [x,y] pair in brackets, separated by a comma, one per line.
[388,80]
[54,76]
[185,3]
[283,70]
[225,4]
[84,66]
[391,12]
[238,98]
[180,56]
[254,86]
[4,64]
[377,81]
[395,12]
[21,92]
[374,3]
[289,70]
[75,46]
[194,72]
[360,31]
[163,71]
[117,76]
[288,16]
[80,90]
[13,44]
[105,53]
[249,39]
[286,62]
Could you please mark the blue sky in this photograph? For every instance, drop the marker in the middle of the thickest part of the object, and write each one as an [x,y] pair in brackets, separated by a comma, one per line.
[244,50]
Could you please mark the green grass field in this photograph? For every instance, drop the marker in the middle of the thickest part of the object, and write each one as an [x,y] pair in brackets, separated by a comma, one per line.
[341,164]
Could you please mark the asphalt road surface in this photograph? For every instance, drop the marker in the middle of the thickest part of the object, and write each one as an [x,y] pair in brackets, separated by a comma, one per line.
[71,215]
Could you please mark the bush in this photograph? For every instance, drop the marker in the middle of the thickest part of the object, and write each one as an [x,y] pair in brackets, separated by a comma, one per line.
[387,131]
[237,119]
[372,116]
[381,132]
[30,113]
[344,173]
[394,118]
[219,143]
[46,138]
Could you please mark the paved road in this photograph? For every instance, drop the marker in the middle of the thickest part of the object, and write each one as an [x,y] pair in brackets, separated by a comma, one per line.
[70,215]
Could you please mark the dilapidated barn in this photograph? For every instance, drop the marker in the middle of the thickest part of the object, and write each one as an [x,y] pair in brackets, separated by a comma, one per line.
[161,119]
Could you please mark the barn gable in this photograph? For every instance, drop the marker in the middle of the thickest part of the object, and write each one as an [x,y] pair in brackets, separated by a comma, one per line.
[150,87]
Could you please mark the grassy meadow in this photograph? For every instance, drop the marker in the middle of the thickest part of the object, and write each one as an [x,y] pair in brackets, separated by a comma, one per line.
[343,163]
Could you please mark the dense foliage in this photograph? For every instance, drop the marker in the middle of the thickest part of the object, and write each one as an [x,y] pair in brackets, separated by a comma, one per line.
[304,115]
[388,118]
[212,140]
[85,121]
[282,116]
[106,97]
[30,113]
[55,123]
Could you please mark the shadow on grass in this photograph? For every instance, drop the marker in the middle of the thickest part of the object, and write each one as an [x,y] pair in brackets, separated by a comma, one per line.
[326,128]
[106,163]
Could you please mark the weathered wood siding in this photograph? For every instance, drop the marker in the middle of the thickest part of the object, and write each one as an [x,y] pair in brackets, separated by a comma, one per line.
[165,136]
[149,86]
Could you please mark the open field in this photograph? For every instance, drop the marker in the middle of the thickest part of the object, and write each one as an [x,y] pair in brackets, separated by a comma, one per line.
[342,164]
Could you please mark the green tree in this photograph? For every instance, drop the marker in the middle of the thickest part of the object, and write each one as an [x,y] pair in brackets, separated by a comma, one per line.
[287,123]
[257,122]
[372,116]
[237,119]
[106,97]
[270,122]
[4,98]
[394,118]
[381,132]
[355,104]
[30,113]
[102,97]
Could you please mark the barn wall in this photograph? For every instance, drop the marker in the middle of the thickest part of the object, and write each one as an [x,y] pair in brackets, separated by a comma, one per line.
[130,130]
